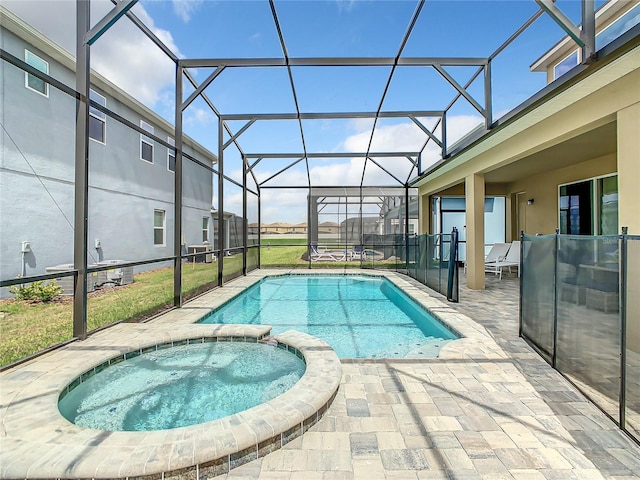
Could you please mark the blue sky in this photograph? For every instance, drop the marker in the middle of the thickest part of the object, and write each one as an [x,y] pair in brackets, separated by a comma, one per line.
[329,28]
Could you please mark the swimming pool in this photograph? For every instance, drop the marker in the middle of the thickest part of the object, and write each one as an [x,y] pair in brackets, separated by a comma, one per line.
[177,386]
[360,316]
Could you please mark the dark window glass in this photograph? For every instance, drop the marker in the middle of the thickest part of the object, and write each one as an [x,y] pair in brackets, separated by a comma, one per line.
[96,128]
[147,152]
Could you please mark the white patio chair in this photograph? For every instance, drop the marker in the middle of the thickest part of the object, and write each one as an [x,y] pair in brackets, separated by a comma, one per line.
[511,259]
[498,252]
[326,255]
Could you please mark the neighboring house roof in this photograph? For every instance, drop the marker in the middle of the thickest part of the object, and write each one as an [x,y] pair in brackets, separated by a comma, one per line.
[329,224]
[14,24]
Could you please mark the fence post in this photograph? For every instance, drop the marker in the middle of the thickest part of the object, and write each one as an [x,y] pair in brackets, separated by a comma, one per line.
[622,298]
[521,281]
[554,354]
[453,264]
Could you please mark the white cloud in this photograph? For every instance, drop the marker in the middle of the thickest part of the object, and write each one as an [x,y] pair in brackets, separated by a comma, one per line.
[185,8]
[198,116]
[289,205]
[132,61]
[345,5]
[123,55]
[402,137]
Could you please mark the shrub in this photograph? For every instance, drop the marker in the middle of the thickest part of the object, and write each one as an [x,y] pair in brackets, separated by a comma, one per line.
[37,291]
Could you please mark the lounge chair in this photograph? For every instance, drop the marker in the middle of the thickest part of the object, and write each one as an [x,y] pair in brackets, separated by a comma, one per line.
[498,252]
[326,255]
[357,253]
[511,259]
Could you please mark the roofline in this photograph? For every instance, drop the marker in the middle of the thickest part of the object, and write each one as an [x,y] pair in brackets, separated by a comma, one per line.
[603,13]
[622,45]
[14,24]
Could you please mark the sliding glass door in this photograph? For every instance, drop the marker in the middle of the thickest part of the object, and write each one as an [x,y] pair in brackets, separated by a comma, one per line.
[589,207]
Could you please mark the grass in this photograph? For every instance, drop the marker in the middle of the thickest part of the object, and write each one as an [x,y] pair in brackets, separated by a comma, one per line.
[27,328]
[283,241]
[279,256]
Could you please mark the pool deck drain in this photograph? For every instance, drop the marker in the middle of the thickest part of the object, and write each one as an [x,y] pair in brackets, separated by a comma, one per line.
[485,409]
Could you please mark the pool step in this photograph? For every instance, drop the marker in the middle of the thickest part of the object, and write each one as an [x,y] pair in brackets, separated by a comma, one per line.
[269,341]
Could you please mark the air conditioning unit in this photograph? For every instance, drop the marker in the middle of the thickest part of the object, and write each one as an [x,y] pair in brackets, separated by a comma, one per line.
[117,275]
[67,284]
[205,253]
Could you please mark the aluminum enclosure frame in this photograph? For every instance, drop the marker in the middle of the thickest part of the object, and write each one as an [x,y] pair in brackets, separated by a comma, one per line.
[86,36]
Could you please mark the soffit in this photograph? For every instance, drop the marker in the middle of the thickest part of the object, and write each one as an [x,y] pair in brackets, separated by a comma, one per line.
[594,144]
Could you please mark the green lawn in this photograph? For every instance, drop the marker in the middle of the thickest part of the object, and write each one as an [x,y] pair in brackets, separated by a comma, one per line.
[283,241]
[279,256]
[26,328]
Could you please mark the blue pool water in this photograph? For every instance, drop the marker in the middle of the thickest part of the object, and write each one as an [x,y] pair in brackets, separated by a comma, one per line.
[181,386]
[359,316]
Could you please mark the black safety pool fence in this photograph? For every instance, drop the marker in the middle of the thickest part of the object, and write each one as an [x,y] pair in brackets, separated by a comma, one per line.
[580,310]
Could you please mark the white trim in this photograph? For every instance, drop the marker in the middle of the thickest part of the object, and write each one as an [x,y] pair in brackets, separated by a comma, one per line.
[163,228]
[206,229]
[144,139]
[98,115]
[171,141]
[28,52]
[576,52]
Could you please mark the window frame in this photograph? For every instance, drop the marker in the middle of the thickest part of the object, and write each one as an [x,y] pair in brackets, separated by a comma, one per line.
[98,115]
[573,52]
[162,228]
[595,199]
[27,53]
[171,153]
[205,230]
[146,140]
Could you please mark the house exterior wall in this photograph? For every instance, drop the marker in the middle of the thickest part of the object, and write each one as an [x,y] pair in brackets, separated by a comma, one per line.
[542,216]
[37,174]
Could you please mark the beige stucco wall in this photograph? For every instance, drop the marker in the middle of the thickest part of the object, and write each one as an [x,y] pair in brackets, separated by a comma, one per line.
[629,167]
[542,216]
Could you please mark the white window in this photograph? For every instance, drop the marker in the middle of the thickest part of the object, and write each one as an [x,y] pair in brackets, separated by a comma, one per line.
[159,228]
[97,119]
[146,144]
[565,65]
[31,81]
[205,229]
[171,155]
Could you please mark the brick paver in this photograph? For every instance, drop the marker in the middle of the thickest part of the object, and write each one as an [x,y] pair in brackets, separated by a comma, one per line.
[480,417]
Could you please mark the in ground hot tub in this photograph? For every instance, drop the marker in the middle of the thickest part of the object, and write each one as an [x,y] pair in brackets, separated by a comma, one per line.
[170,386]
[38,442]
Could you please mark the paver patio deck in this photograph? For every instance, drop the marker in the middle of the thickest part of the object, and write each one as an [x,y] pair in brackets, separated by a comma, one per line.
[476,418]
[489,410]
